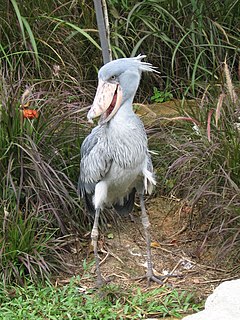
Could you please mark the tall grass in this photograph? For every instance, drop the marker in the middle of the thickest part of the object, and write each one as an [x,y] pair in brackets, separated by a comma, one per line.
[202,166]
[59,32]
[49,54]
[192,42]
[188,40]
[39,171]
[39,157]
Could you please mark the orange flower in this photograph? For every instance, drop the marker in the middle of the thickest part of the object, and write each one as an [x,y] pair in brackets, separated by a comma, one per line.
[30,114]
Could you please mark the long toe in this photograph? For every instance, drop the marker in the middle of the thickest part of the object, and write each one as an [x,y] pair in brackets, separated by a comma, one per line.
[150,278]
[154,278]
[158,279]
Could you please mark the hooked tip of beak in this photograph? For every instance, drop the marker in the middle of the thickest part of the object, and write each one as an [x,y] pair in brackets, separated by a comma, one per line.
[90,116]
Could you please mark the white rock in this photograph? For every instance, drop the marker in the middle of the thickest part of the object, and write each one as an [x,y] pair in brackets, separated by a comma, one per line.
[222,304]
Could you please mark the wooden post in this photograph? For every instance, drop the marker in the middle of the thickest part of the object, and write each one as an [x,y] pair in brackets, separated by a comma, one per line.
[104,38]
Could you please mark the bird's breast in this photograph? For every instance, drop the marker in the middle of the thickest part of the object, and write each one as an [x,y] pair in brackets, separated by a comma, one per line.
[128,146]
[120,181]
[128,150]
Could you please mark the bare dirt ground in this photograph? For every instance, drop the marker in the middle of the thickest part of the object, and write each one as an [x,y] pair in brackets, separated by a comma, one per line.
[177,249]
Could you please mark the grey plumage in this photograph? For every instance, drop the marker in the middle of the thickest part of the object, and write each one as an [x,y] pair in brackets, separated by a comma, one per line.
[118,149]
[115,162]
[115,154]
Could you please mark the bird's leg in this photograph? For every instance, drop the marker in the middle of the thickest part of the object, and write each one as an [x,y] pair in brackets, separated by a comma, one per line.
[94,237]
[146,225]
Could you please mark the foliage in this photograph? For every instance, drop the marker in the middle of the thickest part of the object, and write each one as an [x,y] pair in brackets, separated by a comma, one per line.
[38,172]
[161,96]
[187,40]
[203,163]
[70,302]
[46,34]
[49,52]
[28,248]
[39,156]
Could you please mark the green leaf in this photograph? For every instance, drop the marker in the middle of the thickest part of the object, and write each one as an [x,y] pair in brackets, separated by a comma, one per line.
[32,39]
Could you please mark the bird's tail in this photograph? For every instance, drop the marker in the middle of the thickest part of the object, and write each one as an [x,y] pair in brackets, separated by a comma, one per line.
[149,181]
[127,206]
[88,203]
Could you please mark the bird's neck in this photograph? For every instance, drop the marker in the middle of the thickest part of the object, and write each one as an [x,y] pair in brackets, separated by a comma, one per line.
[124,113]
[122,123]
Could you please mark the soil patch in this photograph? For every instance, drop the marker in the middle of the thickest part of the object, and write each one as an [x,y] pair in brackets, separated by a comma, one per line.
[177,248]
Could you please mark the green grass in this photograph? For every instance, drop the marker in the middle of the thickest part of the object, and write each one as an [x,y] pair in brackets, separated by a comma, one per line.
[71,302]
[161,96]
[188,40]
[39,164]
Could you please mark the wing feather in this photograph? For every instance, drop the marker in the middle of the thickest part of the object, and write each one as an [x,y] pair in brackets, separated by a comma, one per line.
[95,160]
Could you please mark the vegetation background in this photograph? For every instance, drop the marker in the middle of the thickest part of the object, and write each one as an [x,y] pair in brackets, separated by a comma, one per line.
[49,58]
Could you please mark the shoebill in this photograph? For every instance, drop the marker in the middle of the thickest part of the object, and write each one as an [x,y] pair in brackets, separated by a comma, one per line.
[115,161]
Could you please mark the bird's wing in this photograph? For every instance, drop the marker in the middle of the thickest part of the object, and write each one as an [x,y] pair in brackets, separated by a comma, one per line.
[95,160]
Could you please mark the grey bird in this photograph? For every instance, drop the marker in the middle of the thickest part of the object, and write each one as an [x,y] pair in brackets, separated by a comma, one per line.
[115,161]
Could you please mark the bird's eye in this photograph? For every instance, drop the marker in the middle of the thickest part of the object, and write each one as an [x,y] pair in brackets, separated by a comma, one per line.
[113,78]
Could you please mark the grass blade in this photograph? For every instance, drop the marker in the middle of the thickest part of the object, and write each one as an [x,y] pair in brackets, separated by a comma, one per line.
[17,11]
[32,40]
[81,31]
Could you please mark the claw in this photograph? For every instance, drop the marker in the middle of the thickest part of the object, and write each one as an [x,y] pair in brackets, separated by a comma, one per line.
[158,279]
[154,279]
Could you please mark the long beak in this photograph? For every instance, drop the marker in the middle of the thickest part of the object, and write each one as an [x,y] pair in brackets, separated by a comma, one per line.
[107,101]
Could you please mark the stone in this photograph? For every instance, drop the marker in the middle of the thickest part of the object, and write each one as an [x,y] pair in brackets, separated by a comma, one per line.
[222,304]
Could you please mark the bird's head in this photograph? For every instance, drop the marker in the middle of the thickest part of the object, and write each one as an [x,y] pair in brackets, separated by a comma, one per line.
[118,81]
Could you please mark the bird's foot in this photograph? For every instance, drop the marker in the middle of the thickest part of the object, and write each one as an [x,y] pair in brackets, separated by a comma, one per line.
[151,277]
[154,278]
